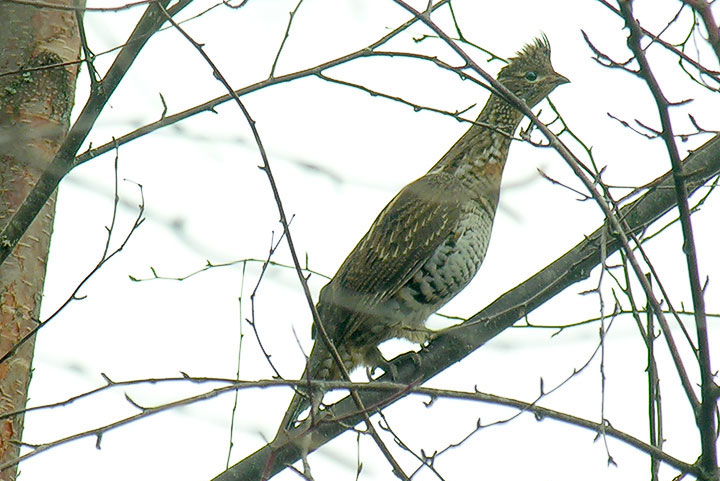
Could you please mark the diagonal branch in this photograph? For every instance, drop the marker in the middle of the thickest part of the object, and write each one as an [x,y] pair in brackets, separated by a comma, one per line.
[209,106]
[455,344]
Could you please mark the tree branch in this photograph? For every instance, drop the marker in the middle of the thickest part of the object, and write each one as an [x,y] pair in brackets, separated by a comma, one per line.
[615,223]
[455,344]
[210,105]
[63,162]
[705,411]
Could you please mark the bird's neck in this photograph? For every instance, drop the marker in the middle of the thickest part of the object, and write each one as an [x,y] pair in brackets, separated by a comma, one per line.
[479,156]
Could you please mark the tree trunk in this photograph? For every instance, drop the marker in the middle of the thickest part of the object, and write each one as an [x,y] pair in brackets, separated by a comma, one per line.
[36,96]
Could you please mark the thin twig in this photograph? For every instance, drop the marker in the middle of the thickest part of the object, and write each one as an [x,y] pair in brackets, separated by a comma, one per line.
[63,161]
[89,56]
[389,387]
[702,7]
[288,236]
[210,105]
[425,461]
[237,372]
[285,37]
[103,260]
[711,73]
[252,321]
[209,265]
[654,399]
[705,412]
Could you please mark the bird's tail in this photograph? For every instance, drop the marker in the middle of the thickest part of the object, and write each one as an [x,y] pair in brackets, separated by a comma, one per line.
[301,399]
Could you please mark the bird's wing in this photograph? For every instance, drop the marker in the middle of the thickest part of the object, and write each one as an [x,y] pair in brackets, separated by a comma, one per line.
[421,217]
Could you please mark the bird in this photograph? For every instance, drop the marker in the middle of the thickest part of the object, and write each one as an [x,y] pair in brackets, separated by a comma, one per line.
[427,244]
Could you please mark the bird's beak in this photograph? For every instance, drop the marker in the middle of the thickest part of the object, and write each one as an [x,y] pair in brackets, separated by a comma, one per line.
[560,79]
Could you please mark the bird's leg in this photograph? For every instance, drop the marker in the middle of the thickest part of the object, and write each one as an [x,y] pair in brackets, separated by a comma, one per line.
[306,466]
[418,334]
[315,403]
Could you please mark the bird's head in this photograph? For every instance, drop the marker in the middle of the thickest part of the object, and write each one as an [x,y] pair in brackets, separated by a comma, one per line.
[530,75]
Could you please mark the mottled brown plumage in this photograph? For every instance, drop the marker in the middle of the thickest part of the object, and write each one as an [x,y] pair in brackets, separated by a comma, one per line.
[428,242]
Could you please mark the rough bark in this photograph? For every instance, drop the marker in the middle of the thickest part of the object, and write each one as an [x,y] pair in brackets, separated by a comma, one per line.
[36,96]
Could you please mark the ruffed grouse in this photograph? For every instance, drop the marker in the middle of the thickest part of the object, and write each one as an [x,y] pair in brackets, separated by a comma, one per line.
[428,242]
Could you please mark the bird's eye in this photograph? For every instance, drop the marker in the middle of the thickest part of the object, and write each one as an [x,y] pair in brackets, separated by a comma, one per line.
[531,76]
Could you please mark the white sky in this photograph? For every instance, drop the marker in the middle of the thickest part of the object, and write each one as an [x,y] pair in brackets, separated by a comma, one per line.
[338,156]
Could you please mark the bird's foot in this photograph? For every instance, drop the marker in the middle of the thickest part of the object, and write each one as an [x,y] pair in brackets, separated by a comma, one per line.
[375,360]
[412,355]
[387,367]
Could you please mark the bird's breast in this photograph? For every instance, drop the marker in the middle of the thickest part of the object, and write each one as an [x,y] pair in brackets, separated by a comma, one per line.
[453,264]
